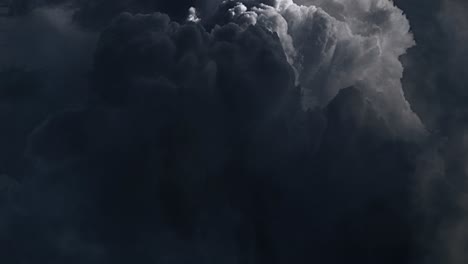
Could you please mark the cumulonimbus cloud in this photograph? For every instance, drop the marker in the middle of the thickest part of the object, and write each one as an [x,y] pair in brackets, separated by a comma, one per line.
[336,44]
[193,135]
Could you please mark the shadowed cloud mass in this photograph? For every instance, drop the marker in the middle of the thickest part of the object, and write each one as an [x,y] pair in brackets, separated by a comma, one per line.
[232,132]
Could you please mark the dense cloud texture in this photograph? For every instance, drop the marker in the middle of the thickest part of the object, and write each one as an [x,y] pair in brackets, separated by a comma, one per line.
[254,132]
[336,44]
[435,82]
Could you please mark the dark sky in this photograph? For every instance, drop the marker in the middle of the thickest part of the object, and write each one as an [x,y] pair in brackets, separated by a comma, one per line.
[206,131]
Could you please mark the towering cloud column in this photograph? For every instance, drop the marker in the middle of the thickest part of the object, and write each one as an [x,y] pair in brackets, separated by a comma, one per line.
[336,44]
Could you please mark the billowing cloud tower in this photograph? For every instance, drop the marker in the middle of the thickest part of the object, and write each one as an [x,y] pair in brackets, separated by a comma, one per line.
[336,44]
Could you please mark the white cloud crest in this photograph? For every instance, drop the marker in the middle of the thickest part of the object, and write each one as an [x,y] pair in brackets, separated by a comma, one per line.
[334,44]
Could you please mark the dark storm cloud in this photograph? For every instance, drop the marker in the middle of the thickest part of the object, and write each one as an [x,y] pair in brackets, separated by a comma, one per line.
[195,147]
[195,142]
[37,80]
[44,62]
[99,13]
[435,83]
[61,54]
[435,80]
[336,44]
[454,23]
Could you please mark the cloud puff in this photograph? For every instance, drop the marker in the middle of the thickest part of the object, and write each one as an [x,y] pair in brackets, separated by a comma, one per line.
[336,44]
